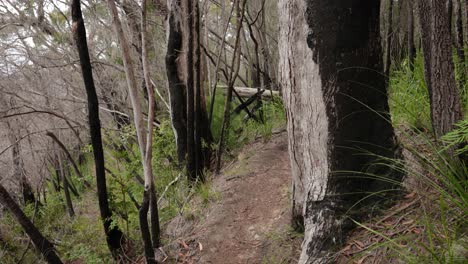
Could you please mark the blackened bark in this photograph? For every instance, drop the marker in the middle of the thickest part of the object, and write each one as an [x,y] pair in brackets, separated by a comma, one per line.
[388,42]
[411,47]
[66,190]
[176,85]
[41,243]
[191,166]
[202,131]
[114,236]
[336,102]
[144,228]
[154,217]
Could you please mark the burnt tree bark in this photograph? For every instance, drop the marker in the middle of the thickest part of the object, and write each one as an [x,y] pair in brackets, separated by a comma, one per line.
[176,84]
[336,104]
[114,236]
[41,243]
[388,41]
[188,107]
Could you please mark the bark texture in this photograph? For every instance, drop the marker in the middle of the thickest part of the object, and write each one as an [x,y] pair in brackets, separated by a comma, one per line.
[438,66]
[336,103]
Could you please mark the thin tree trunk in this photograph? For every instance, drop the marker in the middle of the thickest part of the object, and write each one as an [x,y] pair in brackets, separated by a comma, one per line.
[114,236]
[425,20]
[70,158]
[231,82]
[411,46]
[66,190]
[388,42]
[460,43]
[149,182]
[41,243]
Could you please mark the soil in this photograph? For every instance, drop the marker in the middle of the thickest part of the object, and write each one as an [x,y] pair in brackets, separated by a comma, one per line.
[249,220]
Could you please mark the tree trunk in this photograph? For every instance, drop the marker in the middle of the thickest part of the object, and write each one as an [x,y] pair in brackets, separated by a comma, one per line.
[460,43]
[327,64]
[232,78]
[147,162]
[191,166]
[202,135]
[144,135]
[176,85]
[425,20]
[439,68]
[66,190]
[411,46]
[388,42]
[40,242]
[114,236]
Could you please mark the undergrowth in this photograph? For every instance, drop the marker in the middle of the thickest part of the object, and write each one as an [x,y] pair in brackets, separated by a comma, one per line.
[81,238]
[430,224]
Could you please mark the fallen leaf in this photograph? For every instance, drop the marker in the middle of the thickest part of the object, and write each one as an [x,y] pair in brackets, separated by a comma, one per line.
[410,195]
[200,246]
[359,244]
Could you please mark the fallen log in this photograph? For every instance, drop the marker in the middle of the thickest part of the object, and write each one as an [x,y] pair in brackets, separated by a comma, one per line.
[249,92]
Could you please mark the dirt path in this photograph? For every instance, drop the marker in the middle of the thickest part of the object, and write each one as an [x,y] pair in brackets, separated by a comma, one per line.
[249,223]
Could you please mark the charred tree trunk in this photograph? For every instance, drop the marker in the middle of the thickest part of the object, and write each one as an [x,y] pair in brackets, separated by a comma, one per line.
[202,135]
[177,88]
[411,46]
[388,42]
[41,243]
[191,165]
[327,64]
[66,189]
[114,236]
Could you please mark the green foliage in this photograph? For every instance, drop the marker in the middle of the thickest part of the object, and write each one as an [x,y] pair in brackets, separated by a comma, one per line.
[458,137]
[409,98]
[240,131]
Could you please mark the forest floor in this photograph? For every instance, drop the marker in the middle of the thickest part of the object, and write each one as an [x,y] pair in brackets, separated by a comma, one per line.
[249,219]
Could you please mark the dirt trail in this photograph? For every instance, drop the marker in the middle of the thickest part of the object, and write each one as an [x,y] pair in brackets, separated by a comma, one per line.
[249,223]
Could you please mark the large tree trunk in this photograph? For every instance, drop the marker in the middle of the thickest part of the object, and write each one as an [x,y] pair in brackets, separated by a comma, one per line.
[188,107]
[114,236]
[439,68]
[40,242]
[336,100]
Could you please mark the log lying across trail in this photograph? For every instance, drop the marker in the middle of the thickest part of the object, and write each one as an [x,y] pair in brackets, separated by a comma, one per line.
[249,92]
